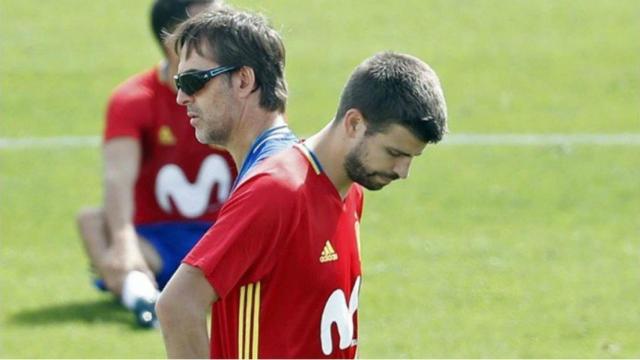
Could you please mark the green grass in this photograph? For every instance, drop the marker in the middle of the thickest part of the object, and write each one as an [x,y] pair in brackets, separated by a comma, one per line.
[485,251]
[530,261]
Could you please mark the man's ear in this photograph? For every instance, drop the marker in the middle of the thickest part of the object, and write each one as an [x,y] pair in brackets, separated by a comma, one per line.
[354,123]
[245,81]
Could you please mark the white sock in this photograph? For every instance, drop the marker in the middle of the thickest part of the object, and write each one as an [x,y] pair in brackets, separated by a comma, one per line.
[137,285]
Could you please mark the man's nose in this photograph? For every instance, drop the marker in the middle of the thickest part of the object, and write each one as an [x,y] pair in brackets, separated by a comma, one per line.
[402,167]
[182,98]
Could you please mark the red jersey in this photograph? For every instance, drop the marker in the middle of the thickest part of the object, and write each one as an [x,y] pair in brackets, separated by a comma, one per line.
[180,178]
[284,259]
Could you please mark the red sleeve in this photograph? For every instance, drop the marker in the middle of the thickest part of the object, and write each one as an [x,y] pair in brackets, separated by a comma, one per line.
[129,110]
[244,243]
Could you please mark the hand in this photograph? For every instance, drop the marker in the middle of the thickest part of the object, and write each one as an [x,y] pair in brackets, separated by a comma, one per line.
[118,262]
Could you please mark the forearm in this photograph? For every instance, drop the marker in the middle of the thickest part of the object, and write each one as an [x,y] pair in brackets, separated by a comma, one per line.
[182,310]
[184,331]
[121,166]
[118,205]
[121,162]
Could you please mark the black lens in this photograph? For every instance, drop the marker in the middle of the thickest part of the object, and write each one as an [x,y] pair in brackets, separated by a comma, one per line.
[190,83]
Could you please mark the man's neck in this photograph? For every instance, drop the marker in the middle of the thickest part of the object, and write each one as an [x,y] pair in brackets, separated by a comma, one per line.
[247,132]
[329,147]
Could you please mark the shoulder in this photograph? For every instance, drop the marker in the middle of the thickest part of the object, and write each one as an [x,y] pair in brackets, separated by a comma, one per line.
[136,90]
[276,187]
[277,180]
[285,170]
[262,200]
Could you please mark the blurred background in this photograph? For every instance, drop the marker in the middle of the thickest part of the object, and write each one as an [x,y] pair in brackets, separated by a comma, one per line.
[518,237]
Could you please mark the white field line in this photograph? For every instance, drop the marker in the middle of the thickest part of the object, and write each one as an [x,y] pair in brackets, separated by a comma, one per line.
[626,139]
[54,142]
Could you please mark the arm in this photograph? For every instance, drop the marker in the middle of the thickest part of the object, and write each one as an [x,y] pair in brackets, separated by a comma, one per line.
[121,166]
[241,244]
[182,311]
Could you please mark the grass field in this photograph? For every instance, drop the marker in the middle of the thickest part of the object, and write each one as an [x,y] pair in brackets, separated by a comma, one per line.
[485,251]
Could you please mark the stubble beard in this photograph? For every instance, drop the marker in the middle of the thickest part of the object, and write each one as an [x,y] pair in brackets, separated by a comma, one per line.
[219,137]
[356,170]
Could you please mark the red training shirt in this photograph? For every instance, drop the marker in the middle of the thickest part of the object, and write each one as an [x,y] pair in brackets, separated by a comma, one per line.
[284,259]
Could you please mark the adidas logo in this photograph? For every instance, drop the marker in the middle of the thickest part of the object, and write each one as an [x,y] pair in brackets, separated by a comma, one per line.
[165,136]
[328,254]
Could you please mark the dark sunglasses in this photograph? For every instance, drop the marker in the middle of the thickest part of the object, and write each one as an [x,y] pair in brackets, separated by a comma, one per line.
[190,82]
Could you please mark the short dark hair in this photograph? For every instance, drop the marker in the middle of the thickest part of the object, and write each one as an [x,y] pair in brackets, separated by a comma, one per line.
[391,88]
[239,38]
[167,14]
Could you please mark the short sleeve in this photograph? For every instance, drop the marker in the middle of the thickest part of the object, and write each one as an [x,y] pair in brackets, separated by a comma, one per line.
[251,231]
[128,111]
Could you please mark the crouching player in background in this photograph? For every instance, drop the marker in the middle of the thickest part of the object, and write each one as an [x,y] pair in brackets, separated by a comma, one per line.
[162,188]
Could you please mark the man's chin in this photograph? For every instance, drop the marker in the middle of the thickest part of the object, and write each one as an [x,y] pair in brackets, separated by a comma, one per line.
[201,139]
[369,185]
[210,139]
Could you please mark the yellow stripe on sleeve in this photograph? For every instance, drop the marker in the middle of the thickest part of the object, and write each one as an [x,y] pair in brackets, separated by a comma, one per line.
[256,322]
[247,322]
[241,322]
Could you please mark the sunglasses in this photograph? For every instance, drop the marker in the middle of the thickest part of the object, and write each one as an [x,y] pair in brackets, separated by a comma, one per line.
[190,82]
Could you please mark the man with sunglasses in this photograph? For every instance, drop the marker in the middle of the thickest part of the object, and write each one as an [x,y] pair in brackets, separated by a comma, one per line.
[231,79]
[163,189]
[281,266]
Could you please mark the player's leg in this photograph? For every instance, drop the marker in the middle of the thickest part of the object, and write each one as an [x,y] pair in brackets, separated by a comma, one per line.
[171,242]
[150,254]
[92,226]
[139,292]
[93,233]
[164,245]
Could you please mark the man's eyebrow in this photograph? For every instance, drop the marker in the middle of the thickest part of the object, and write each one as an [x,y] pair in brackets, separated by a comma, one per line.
[189,70]
[402,152]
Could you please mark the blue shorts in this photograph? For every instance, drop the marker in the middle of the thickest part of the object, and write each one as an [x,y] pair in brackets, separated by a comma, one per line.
[172,241]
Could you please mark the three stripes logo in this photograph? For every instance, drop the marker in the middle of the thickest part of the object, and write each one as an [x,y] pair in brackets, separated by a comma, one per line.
[328,253]
[249,321]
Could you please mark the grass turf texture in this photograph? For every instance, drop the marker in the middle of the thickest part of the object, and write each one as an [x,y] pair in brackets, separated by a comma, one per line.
[486,251]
